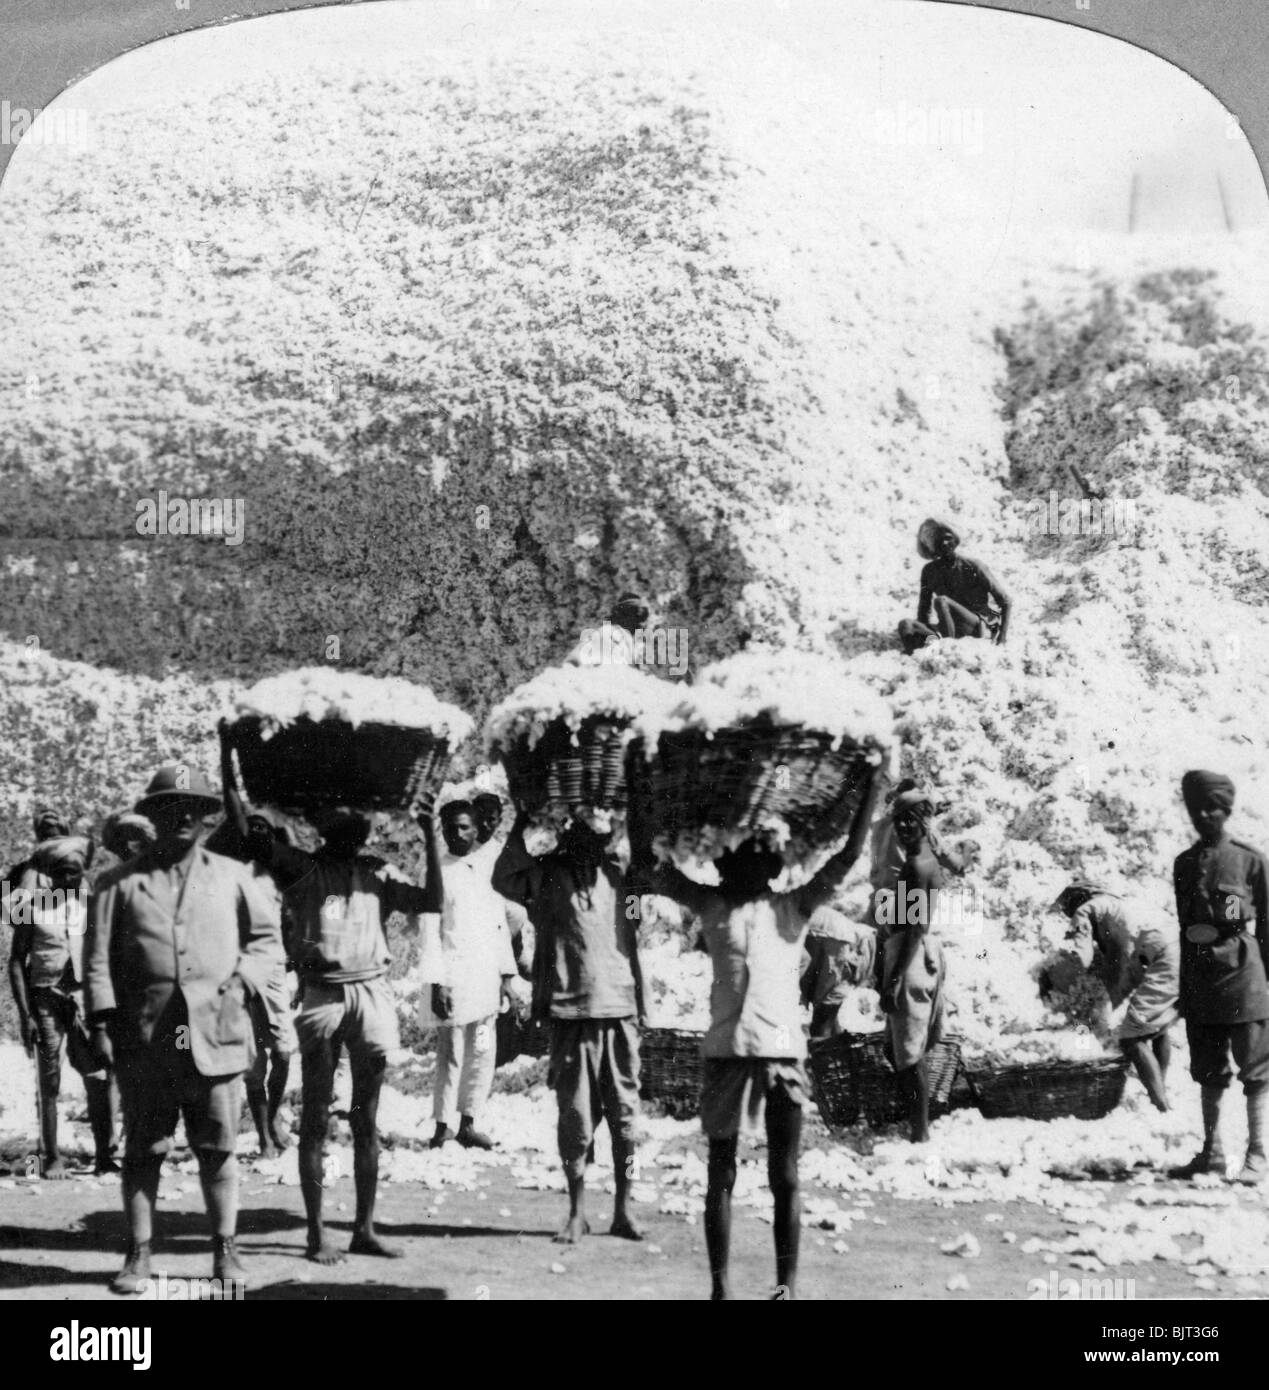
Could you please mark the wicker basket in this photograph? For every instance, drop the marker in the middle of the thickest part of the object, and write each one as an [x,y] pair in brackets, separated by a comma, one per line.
[833,1067]
[852,1076]
[741,777]
[310,764]
[1050,1090]
[570,768]
[671,1069]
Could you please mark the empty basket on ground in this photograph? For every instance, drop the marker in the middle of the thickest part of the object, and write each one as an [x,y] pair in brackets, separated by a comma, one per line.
[833,1078]
[671,1068]
[570,767]
[310,763]
[746,776]
[852,1076]
[1050,1090]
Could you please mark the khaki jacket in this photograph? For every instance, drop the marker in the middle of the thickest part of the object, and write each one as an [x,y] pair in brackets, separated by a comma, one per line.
[143,945]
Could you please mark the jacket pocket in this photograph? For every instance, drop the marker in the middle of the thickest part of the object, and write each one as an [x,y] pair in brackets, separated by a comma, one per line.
[232,1020]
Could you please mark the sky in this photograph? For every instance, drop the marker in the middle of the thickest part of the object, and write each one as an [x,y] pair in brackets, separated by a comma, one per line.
[992,119]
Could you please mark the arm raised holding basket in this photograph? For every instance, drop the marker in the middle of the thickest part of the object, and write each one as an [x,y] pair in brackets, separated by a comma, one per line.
[830,878]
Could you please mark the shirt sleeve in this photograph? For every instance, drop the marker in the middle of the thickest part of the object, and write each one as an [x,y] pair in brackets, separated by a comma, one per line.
[432,967]
[259,933]
[506,956]
[398,894]
[515,873]
[1079,936]
[1258,876]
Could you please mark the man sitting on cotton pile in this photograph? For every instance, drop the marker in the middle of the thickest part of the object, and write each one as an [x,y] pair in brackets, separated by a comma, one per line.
[959,597]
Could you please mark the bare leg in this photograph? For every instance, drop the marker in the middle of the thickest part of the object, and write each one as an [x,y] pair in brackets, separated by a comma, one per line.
[1142,1056]
[623,1159]
[258,1102]
[279,1075]
[722,1179]
[955,620]
[915,1082]
[574,1132]
[53,1167]
[363,1116]
[577,1225]
[784,1136]
[914,635]
[1162,1048]
[317,1068]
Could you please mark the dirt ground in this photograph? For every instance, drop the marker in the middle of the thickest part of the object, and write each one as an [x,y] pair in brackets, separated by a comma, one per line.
[64,1241]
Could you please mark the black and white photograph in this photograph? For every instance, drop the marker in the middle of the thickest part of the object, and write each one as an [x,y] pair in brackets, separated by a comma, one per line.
[632,645]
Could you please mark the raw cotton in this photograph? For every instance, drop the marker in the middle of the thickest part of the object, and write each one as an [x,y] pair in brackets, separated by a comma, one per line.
[322,692]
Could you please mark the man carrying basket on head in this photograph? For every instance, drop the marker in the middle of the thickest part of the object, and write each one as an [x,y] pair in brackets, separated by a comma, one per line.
[337,902]
[588,982]
[755,1048]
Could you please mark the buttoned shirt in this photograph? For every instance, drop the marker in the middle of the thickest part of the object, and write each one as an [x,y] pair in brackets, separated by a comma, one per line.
[475,945]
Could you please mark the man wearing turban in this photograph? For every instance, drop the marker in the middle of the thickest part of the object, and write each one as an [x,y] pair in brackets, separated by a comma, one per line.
[48,912]
[1222,902]
[959,597]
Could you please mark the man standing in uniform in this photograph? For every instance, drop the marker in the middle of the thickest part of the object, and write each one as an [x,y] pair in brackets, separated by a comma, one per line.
[1222,902]
[179,940]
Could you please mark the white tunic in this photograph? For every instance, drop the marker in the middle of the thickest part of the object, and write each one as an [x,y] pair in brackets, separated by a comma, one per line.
[468,947]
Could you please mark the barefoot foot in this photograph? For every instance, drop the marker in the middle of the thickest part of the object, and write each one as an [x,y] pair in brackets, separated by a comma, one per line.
[323,1252]
[572,1231]
[624,1227]
[54,1169]
[367,1243]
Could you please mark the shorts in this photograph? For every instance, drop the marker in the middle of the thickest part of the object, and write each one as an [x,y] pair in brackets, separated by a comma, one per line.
[273,1018]
[361,1017]
[1211,1044]
[594,1072]
[736,1090]
[160,1084]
